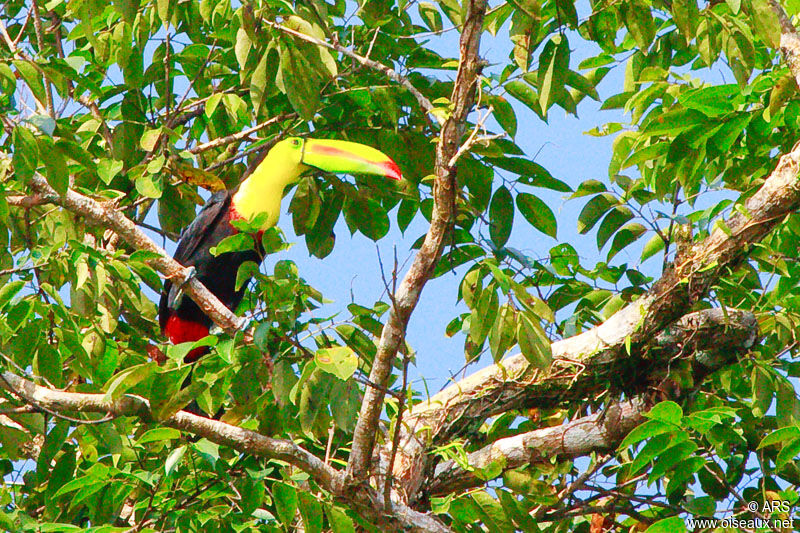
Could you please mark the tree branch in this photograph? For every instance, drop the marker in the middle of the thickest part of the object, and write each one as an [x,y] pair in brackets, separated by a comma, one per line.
[425,260]
[716,337]
[366,501]
[790,41]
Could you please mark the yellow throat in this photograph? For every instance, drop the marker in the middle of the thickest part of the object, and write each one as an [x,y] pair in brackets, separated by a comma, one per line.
[262,191]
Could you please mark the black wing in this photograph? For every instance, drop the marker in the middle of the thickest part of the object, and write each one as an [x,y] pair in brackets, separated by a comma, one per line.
[201,227]
[191,239]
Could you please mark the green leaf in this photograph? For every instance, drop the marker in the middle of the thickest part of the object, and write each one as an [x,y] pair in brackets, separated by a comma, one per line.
[702,506]
[368,216]
[652,247]
[503,331]
[311,512]
[33,78]
[483,315]
[537,213]
[285,502]
[625,236]
[711,101]
[128,378]
[158,435]
[26,153]
[339,521]
[648,153]
[126,8]
[149,185]
[430,15]
[44,124]
[305,206]
[780,435]
[615,218]
[262,78]
[163,8]
[670,457]
[9,290]
[766,22]
[674,524]
[533,341]
[501,216]
[644,431]
[551,80]
[525,94]
[242,47]
[594,209]
[788,453]
[239,242]
[108,169]
[56,166]
[504,114]
[530,173]
[150,138]
[730,131]
[298,81]
[686,17]
[173,460]
[492,513]
[639,21]
[340,361]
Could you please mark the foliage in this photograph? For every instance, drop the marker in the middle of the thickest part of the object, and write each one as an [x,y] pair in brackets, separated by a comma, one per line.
[137,104]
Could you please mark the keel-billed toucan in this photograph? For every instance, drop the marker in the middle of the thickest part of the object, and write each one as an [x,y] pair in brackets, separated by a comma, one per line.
[261,192]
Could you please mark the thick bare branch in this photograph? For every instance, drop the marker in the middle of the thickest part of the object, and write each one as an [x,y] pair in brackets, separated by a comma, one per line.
[407,296]
[715,337]
[598,432]
[365,500]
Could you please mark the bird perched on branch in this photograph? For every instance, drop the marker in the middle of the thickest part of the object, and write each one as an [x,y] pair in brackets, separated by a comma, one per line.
[260,193]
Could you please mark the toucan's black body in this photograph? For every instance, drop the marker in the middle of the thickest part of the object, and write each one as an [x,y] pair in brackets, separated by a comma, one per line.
[181,318]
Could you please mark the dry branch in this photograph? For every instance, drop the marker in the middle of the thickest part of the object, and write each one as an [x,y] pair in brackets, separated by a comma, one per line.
[407,296]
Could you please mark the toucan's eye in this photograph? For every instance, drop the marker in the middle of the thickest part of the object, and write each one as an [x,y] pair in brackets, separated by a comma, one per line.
[295,142]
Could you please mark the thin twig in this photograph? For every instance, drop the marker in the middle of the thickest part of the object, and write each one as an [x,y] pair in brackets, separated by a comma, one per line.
[234,137]
[48,89]
[423,101]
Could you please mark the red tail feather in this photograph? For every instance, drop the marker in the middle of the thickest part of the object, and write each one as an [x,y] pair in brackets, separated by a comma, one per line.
[179,330]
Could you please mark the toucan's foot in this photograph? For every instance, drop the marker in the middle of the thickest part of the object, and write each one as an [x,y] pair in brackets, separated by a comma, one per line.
[176,292]
[191,275]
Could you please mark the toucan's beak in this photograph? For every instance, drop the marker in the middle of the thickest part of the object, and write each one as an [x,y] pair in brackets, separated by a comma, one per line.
[348,157]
